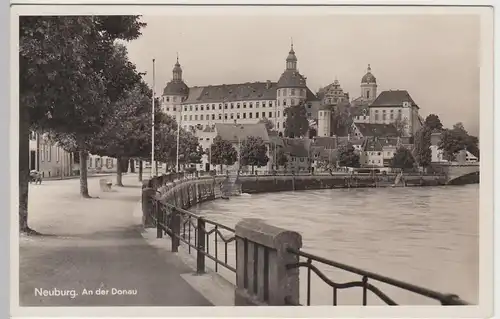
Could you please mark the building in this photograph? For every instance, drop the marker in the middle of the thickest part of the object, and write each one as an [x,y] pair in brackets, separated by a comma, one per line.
[247,103]
[391,106]
[297,151]
[378,152]
[48,158]
[368,93]
[437,155]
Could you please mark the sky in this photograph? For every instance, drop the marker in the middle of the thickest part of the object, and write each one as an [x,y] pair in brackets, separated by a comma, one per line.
[434,57]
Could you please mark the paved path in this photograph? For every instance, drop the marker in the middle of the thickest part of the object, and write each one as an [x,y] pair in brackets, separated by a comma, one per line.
[96,243]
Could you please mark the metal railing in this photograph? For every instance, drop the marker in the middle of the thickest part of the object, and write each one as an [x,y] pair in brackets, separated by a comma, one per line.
[444,299]
[185,227]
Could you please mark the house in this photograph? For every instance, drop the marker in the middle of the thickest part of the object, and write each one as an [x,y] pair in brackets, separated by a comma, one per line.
[48,158]
[378,152]
[297,151]
[237,133]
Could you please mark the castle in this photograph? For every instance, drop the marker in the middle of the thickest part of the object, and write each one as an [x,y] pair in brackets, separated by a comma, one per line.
[197,107]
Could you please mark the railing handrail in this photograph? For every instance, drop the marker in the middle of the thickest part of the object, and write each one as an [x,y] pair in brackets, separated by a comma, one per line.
[449,299]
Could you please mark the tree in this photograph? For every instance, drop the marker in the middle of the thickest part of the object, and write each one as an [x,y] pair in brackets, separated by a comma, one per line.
[403,158]
[61,77]
[313,132]
[281,158]
[433,122]
[422,146]
[453,141]
[223,152]
[341,122]
[253,152]
[348,156]
[268,123]
[401,125]
[296,124]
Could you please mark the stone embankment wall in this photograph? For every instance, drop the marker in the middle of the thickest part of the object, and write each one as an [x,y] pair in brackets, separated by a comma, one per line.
[263,184]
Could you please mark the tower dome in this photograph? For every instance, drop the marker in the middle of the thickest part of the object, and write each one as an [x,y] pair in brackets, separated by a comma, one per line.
[177,85]
[368,78]
[291,78]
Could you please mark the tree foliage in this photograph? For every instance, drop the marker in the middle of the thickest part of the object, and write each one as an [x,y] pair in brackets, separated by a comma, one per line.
[268,123]
[348,157]
[433,122]
[422,146]
[457,139]
[296,124]
[222,152]
[401,125]
[253,152]
[403,158]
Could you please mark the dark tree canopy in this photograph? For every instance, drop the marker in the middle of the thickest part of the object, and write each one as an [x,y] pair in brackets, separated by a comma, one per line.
[422,143]
[433,122]
[253,152]
[296,124]
[348,157]
[403,159]
[223,152]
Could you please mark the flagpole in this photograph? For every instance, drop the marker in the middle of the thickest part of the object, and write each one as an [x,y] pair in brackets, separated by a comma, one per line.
[153,126]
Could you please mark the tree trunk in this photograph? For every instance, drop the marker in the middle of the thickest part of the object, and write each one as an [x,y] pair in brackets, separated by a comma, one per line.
[221,170]
[156,168]
[84,187]
[140,171]
[24,169]
[253,170]
[132,166]
[119,170]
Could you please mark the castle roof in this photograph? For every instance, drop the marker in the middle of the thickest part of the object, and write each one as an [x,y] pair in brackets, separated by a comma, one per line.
[379,130]
[176,88]
[393,98]
[291,79]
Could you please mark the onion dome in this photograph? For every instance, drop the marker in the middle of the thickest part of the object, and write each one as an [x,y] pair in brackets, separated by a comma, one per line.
[368,78]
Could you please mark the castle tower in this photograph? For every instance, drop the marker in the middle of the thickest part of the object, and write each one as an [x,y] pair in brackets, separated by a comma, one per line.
[369,85]
[291,90]
[324,121]
[175,93]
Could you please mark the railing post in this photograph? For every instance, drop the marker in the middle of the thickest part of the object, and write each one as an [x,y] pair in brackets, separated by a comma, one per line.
[175,227]
[262,275]
[200,255]
[159,219]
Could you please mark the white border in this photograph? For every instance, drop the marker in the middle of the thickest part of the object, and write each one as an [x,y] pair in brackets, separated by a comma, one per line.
[486,190]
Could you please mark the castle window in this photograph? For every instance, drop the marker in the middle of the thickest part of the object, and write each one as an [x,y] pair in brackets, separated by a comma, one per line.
[220,116]
[256,115]
[284,102]
[303,92]
[213,106]
[237,115]
[278,113]
[392,116]
[196,117]
[201,117]
[383,117]
[270,103]
[250,105]
[202,108]
[376,116]
[220,106]
[190,107]
[168,98]
[174,109]
[237,105]
[196,108]
[174,98]
[250,115]
[225,116]
[232,116]
[257,104]
[244,105]
[185,117]
[367,94]
[213,117]
[190,117]
[284,92]
[270,114]
[232,105]
[263,114]
[278,102]
[309,105]
[292,102]
[264,104]
[244,115]
[225,106]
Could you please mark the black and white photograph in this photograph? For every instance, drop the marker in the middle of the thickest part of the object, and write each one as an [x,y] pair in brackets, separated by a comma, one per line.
[206,157]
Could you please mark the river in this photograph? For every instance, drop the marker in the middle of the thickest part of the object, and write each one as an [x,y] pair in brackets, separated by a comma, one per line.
[428,236]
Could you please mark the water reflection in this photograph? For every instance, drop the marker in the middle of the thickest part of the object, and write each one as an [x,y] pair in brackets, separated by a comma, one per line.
[427,236]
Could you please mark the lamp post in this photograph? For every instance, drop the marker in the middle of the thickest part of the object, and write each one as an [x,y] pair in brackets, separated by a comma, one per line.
[153,170]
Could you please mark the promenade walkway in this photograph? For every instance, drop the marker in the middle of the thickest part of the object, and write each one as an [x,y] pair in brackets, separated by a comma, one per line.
[89,244]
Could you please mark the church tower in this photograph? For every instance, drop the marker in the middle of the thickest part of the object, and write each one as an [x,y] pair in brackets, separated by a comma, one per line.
[175,93]
[369,85]
[291,90]
[324,121]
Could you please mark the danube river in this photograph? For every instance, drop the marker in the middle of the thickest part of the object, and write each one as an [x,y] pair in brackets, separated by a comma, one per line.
[428,236]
